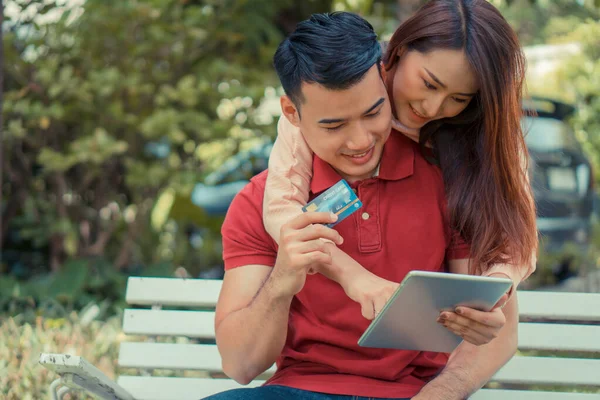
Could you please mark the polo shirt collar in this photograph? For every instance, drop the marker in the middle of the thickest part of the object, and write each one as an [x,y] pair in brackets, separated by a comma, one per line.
[397,162]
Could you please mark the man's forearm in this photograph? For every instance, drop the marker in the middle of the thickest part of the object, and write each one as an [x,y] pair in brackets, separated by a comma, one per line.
[470,367]
[251,339]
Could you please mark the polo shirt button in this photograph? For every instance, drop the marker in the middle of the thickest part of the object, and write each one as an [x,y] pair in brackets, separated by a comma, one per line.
[365,216]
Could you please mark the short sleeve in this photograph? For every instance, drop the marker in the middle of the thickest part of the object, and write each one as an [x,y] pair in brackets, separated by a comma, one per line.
[245,240]
[458,248]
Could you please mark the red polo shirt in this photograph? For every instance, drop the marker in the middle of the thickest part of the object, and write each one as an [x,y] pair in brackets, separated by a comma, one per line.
[402,226]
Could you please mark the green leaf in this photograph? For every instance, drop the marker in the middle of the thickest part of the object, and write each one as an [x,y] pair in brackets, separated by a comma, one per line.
[15,128]
[55,161]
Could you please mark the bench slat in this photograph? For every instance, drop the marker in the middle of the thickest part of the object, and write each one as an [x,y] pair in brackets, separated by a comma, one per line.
[205,292]
[525,370]
[539,336]
[173,292]
[172,356]
[160,388]
[193,324]
[559,306]
[550,371]
[200,324]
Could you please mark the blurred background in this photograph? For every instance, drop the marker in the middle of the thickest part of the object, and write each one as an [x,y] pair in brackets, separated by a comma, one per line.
[128,126]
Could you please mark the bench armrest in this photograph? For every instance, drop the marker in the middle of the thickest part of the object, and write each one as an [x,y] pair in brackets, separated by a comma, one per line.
[80,374]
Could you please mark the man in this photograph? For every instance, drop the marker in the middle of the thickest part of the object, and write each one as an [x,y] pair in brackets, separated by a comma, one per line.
[270,309]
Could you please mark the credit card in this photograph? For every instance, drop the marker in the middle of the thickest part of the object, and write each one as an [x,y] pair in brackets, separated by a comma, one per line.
[338,199]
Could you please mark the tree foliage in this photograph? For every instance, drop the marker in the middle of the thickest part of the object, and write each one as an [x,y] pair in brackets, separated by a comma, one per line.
[581,78]
[109,103]
[539,21]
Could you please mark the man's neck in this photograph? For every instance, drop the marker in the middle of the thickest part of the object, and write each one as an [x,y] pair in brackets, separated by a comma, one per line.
[354,178]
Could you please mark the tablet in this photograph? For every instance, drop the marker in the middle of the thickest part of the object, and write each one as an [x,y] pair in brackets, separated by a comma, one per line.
[408,319]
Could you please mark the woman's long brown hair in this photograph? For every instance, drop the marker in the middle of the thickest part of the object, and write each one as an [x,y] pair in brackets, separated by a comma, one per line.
[481,151]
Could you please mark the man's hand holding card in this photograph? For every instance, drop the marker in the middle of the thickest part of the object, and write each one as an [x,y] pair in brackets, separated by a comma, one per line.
[338,199]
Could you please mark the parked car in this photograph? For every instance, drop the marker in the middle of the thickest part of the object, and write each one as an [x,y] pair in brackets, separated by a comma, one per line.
[220,187]
[561,177]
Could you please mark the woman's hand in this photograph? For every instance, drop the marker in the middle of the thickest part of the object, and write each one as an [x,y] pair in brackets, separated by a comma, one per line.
[370,291]
[474,326]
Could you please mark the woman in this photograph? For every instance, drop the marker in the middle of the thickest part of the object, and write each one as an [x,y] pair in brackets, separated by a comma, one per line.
[454,74]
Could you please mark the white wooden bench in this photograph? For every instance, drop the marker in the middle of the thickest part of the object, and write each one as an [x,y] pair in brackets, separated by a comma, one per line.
[555,323]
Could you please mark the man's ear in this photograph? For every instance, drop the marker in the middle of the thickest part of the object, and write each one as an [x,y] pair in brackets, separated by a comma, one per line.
[383,71]
[289,109]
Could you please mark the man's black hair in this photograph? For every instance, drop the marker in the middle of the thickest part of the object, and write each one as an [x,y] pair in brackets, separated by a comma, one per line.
[334,50]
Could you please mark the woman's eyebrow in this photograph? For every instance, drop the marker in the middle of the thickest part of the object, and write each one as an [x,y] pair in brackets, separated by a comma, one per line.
[435,78]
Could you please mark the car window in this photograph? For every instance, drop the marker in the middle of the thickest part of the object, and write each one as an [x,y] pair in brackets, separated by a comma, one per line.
[242,166]
[548,134]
